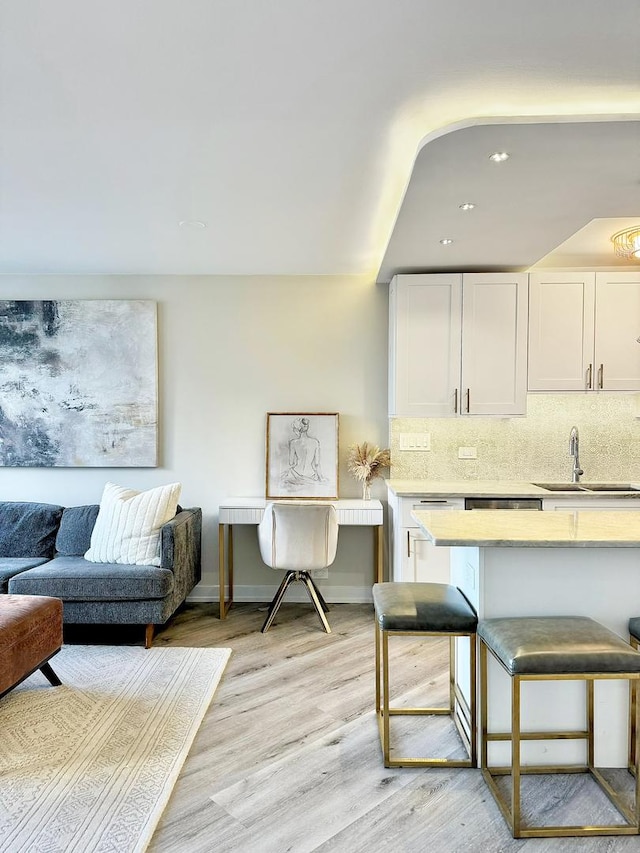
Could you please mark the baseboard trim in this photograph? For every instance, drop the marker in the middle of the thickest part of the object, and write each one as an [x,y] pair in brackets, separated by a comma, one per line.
[264,593]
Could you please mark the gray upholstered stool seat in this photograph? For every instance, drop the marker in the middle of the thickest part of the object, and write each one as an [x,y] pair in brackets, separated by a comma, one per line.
[557,645]
[634,628]
[548,649]
[425,609]
[422,607]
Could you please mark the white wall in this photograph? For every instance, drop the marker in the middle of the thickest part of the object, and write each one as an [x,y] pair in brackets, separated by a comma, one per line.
[232,349]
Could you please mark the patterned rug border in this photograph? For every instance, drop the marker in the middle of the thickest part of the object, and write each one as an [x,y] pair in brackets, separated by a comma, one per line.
[151,711]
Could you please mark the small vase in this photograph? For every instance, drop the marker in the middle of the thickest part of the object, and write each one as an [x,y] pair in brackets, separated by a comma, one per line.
[366,490]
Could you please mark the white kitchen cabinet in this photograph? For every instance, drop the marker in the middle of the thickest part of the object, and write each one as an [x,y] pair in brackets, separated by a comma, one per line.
[583,331]
[457,344]
[413,556]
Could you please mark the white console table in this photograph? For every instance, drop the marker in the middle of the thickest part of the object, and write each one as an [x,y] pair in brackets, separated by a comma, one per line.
[250,511]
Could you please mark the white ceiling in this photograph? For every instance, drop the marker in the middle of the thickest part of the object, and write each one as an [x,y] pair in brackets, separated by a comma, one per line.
[291,128]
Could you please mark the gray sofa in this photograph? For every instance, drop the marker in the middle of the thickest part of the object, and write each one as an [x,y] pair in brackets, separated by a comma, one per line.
[41,553]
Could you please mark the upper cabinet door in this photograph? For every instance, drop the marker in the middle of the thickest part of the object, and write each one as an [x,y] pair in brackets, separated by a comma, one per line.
[458,345]
[494,343]
[561,328]
[424,344]
[583,331]
[617,329]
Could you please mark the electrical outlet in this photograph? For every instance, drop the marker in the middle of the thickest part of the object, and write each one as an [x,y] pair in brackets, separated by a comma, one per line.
[320,573]
[467,453]
[415,441]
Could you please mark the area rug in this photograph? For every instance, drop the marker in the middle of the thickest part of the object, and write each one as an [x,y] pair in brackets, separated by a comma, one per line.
[89,766]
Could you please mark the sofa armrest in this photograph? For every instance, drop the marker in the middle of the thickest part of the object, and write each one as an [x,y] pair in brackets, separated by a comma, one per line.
[180,549]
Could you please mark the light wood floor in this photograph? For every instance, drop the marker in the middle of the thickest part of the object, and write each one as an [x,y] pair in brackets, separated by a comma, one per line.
[288,756]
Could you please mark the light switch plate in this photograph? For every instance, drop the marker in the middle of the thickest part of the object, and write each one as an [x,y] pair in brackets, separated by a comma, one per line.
[467,453]
[415,441]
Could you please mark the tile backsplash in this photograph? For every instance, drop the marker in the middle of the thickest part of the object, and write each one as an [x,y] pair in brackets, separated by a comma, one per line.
[535,447]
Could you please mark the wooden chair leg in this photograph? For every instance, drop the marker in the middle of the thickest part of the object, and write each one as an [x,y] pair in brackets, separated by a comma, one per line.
[148,636]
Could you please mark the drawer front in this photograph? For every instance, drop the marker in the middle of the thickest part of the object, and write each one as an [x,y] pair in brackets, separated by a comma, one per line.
[409,504]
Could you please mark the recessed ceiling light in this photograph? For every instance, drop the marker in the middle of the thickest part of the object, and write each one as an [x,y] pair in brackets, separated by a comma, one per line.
[192,224]
[499,156]
[446,241]
[466,206]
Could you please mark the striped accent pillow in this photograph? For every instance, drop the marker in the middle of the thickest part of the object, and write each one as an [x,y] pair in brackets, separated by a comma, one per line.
[127,529]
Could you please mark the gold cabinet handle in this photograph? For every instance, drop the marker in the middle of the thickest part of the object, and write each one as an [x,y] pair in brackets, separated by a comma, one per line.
[590,377]
[601,376]
[468,400]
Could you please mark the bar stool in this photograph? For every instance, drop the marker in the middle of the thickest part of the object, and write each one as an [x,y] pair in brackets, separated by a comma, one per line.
[426,610]
[550,649]
[634,639]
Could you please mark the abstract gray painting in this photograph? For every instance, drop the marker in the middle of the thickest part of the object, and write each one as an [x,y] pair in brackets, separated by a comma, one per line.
[78,383]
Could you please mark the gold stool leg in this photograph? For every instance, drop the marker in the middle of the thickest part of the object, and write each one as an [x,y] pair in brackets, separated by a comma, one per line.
[385,697]
[515,755]
[484,741]
[377,633]
[473,699]
[590,710]
[634,686]
[452,674]
[633,725]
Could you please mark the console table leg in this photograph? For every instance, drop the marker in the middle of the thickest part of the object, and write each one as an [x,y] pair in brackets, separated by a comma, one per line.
[225,567]
[378,568]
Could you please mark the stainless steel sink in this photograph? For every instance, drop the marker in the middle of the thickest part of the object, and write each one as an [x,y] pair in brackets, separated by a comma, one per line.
[588,487]
[609,487]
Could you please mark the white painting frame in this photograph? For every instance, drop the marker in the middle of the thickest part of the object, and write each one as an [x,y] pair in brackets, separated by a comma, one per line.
[302,455]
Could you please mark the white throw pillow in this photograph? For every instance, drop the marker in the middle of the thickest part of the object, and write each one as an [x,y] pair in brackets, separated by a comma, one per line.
[127,529]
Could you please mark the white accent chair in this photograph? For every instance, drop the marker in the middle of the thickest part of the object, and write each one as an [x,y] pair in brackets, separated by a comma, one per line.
[299,537]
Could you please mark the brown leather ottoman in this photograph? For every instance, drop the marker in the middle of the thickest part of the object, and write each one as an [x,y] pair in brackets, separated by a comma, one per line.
[30,633]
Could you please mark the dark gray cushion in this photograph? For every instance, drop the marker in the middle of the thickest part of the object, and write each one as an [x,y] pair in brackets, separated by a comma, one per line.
[422,607]
[634,627]
[10,566]
[28,529]
[558,645]
[77,579]
[76,525]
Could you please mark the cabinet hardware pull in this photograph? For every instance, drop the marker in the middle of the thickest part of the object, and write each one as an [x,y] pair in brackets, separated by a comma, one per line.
[590,377]
[468,400]
[455,401]
[601,376]
[408,544]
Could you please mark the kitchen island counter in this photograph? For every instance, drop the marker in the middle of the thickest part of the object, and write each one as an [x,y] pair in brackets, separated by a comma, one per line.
[522,528]
[582,563]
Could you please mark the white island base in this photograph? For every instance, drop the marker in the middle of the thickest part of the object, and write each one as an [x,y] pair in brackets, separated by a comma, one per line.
[599,582]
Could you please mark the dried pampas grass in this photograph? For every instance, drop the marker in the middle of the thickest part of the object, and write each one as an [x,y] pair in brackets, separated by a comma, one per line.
[366,461]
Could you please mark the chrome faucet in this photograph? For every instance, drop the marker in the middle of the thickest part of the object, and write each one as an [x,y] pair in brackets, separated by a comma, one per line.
[574,445]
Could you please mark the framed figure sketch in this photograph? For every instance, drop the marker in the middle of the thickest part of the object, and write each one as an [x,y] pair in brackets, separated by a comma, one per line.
[302,455]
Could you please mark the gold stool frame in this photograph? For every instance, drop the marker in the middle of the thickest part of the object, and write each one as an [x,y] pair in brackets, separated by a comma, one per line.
[457,702]
[634,725]
[511,810]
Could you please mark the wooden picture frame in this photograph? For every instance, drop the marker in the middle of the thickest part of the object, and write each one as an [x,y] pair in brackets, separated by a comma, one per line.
[302,455]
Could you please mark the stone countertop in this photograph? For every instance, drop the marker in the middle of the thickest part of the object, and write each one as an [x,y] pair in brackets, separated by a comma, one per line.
[527,529]
[490,489]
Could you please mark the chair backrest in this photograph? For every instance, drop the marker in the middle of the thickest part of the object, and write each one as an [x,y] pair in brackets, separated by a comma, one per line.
[298,535]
